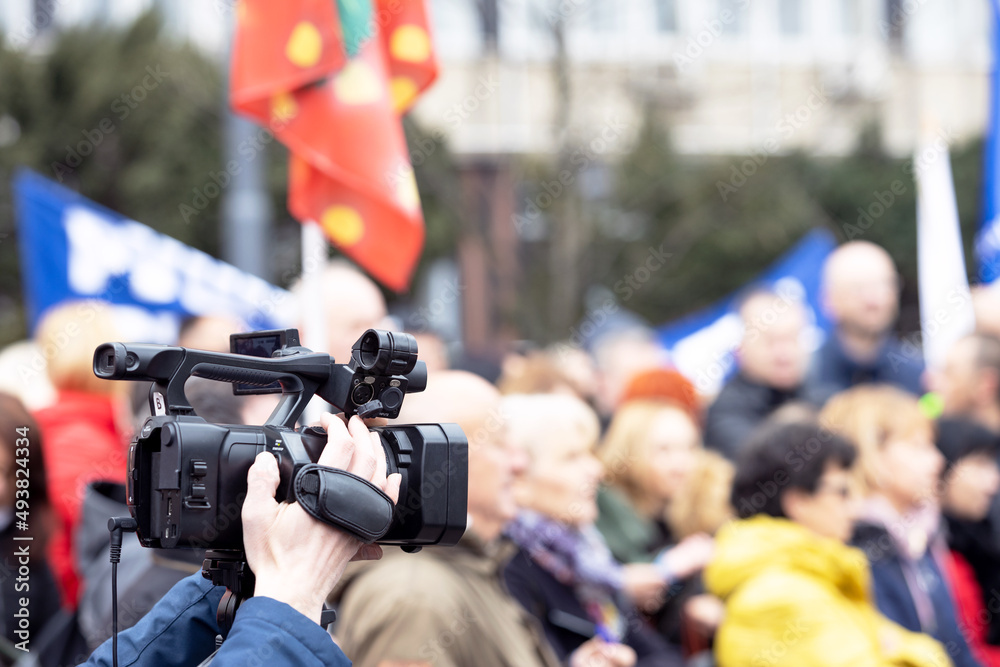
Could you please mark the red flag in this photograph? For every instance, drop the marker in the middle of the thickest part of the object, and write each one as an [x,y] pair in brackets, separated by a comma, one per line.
[280,47]
[349,166]
[406,34]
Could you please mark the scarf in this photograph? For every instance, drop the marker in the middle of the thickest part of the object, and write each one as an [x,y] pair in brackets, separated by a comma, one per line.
[579,558]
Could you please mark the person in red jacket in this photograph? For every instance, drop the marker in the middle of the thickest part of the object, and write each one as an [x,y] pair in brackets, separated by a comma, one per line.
[970,480]
[82,439]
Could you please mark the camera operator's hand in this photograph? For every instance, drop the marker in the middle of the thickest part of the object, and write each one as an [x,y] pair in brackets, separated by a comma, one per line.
[295,558]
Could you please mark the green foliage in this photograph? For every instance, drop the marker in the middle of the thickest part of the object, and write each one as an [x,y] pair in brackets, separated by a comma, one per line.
[724,227]
[127,118]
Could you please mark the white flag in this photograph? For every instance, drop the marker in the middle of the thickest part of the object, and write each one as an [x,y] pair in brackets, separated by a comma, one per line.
[945,305]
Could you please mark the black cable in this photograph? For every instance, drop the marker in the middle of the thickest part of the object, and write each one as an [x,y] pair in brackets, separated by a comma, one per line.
[117,525]
[114,613]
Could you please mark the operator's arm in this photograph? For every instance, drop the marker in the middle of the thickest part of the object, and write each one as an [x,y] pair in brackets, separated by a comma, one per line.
[268,632]
[178,632]
[296,561]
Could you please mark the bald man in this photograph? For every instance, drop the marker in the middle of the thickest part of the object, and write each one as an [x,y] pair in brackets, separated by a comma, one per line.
[861,298]
[772,360]
[352,304]
[446,606]
[970,381]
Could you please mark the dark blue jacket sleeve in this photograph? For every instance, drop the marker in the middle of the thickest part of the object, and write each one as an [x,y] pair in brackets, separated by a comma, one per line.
[268,632]
[180,632]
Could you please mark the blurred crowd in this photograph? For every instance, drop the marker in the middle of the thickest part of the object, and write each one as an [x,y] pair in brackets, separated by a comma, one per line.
[829,506]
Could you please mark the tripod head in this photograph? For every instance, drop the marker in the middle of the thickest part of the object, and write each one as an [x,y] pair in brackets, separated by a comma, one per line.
[229,568]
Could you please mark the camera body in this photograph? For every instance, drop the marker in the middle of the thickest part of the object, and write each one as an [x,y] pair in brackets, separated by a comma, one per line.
[187,478]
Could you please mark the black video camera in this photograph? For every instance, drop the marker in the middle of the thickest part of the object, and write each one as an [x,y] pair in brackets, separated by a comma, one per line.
[187,478]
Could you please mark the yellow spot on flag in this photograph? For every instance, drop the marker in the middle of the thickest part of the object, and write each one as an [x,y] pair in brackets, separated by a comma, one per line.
[283,107]
[343,224]
[357,83]
[403,91]
[410,43]
[304,45]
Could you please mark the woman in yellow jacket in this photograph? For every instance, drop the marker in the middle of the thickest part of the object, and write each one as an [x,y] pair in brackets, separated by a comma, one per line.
[795,594]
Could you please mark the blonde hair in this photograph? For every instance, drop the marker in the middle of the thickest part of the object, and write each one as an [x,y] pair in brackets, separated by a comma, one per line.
[871,416]
[703,505]
[532,420]
[534,373]
[626,445]
[67,335]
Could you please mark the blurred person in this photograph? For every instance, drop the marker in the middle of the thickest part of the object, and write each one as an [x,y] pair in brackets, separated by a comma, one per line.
[578,369]
[702,505]
[986,305]
[771,365]
[24,513]
[650,453]
[618,355]
[664,384]
[899,525]
[861,297]
[208,332]
[563,572]
[446,606]
[534,372]
[144,575]
[971,480]
[969,382]
[85,432]
[23,374]
[432,350]
[295,560]
[795,593]
[352,304]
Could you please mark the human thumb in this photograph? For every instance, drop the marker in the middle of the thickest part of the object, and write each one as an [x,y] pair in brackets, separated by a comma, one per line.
[262,483]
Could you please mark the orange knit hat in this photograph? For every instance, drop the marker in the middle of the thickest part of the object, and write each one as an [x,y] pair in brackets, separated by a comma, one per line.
[664,384]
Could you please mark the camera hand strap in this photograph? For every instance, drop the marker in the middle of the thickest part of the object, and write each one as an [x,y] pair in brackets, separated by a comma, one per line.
[344,500]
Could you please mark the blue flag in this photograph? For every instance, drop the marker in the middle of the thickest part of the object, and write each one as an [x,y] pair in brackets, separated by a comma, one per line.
[988,238]
[72,248]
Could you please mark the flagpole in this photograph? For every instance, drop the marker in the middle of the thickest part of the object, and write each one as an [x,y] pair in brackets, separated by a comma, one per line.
[312,306]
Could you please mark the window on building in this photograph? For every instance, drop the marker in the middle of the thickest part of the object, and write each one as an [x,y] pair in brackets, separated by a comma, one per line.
[790,18]
[850,17]
[666,15]
[734,15]
[603,15]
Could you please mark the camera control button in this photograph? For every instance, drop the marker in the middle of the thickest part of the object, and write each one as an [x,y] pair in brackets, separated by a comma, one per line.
[199,468]
[197,490]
